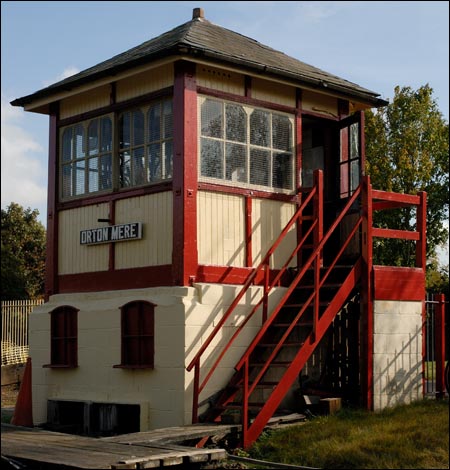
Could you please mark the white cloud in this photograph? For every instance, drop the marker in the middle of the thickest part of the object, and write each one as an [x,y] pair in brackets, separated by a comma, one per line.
[67,72]
[23,163]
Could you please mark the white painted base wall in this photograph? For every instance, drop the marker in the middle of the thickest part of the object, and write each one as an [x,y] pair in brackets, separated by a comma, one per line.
[184,317]
[397,358]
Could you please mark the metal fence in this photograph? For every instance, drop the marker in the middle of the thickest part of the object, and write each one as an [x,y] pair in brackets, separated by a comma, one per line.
[436,338]
[15,348]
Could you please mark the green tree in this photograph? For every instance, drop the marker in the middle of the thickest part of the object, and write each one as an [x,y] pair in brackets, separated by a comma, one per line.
[407,151]
[22,253]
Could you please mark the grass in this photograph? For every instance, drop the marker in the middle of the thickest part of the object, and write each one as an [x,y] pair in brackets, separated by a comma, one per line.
[406,436]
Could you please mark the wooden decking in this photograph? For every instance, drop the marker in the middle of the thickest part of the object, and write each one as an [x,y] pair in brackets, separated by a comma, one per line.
[152,449]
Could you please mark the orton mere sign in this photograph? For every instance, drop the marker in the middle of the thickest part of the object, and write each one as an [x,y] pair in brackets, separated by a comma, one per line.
[112,233]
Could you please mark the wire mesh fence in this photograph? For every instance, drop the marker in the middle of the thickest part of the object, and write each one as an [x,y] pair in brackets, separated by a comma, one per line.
[15,313]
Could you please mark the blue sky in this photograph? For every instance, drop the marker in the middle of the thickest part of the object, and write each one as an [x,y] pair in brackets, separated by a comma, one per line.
[378,45]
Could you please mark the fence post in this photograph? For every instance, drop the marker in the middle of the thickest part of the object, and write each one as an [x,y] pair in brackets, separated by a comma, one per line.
[439,342]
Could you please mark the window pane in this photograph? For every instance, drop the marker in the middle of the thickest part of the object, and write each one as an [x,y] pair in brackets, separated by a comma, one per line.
[67,145]
[106,133]
[138,128]
[124,130]
[139,172]
[131,320]
[93,174]
[155,162]
[354,174]
[236,123]
[93,138]
[125,169]
[236,163]
[67,180]
[168,119]
[281,132]
[168,153]
[106,171]
[147,320]
[212,119]
[211,158]
[282,171]
[154,123]
[260,128]
[146,352]
[131,351]
[79,176]
[259,167]
[354,140]
[79,142]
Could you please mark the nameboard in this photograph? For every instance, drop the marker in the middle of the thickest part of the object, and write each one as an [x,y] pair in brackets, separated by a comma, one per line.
[111,233]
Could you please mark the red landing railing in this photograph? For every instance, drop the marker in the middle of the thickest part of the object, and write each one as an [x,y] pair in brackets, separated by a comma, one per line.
[376,200]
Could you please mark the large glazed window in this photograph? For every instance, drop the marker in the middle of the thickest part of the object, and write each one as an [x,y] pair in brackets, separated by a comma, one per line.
[249,146]
[97,156]
[146,145]
[86,157]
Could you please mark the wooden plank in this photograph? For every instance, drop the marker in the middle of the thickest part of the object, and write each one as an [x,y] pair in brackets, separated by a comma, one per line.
[175,434]
[82,452]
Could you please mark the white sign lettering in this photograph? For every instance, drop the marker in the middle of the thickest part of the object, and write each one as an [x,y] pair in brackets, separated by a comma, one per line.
[113,233]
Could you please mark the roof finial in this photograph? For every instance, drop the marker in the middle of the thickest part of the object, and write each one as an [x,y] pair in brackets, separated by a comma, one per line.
[198,13]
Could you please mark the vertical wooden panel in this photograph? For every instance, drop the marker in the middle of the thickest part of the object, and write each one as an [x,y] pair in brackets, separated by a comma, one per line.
[155,247]
[278,94]
[221,80]
[87,101]
[144,82]
[268,220]
[73,257]
[221,229]
[319,103]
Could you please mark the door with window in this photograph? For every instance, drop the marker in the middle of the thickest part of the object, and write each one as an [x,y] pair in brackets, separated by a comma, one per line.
[350,171]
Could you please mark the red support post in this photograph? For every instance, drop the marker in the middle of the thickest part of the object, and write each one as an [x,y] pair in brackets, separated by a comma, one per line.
[439,341]
[51,264]
[184,254]
[265,312]
[196,393]
[421,245]
[367,297]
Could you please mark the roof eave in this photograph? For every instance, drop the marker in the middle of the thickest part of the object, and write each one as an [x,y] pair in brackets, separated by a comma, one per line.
[182,48]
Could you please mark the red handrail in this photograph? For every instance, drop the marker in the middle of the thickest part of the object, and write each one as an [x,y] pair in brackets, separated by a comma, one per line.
[195,362]
[250,278]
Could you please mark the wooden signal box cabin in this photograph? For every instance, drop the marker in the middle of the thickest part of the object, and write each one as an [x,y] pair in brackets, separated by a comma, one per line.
[210,242]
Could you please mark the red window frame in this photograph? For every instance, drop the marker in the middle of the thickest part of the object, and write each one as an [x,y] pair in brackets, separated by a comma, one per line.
[137,335]
[63,337]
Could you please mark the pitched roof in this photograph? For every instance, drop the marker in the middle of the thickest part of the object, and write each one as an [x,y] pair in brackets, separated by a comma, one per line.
[203,39]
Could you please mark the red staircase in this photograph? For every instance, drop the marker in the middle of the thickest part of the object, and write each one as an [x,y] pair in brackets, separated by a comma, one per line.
[317,291]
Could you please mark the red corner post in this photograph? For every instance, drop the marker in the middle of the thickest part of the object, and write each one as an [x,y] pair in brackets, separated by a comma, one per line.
[367,297]
[439,342]
[184,254]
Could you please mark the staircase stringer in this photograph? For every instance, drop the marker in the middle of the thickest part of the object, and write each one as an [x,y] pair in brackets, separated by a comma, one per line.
[252,432]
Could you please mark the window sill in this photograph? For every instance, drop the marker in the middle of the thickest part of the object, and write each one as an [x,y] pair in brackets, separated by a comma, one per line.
[133,366]
[59,366]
